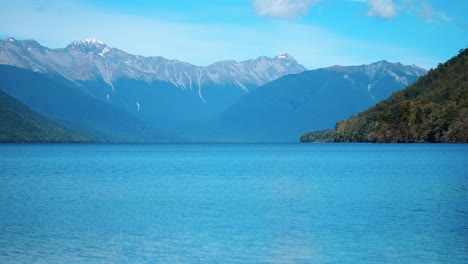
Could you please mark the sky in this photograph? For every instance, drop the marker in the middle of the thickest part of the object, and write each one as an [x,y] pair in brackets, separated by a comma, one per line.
[317,33]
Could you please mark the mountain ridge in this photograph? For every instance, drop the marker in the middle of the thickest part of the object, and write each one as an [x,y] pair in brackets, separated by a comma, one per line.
[279,110]
[89,59]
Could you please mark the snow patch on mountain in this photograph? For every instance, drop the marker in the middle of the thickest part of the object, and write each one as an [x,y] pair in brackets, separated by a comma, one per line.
[91,41]
[104,51]
[282,56]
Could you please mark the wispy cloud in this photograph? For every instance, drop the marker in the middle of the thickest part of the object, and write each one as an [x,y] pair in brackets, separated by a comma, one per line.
[386,9]
[382,8]
[292,9]
[426,12]
[289,9]
[389,9]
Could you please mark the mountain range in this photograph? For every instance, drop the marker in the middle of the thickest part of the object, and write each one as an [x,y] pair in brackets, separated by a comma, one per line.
[281,110]
[110,95]
[154,87]
[91,59]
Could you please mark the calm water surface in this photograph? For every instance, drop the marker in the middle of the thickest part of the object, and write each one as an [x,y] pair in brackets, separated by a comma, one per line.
[299,203]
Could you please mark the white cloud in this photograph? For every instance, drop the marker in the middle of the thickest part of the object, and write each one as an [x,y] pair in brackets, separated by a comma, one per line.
[288,9]
[389,9]
[381,8]
[426,12]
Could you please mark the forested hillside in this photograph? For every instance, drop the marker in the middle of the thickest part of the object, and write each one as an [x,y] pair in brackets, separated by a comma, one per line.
[19,124]
[433,109]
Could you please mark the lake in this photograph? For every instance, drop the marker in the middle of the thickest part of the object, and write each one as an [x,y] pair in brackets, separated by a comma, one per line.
[278,203]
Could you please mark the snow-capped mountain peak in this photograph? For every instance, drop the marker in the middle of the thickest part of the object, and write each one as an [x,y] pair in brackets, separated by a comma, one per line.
[283,56]
[285,59]
[90,41]
[90,46]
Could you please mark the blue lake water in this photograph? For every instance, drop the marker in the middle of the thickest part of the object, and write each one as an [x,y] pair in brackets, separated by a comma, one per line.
[297,203]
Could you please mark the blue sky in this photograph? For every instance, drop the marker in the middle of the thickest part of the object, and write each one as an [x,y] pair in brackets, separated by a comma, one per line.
[318,33]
